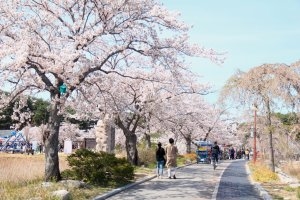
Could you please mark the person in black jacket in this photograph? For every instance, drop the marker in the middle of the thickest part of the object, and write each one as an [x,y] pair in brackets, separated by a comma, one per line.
[215,151]
[161,161]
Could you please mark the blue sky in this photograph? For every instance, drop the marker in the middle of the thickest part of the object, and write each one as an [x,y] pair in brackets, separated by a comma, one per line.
[251,32]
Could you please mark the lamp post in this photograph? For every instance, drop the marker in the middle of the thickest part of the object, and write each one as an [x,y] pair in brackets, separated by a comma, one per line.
[254,134]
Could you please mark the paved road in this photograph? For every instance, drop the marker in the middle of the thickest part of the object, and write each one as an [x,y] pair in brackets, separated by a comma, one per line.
[198,181]
[235,183]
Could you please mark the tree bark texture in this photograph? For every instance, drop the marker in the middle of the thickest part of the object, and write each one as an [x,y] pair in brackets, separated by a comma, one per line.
[131,140]
[188,142]
[272,160]
[148,140]
[52,172]
[270,134]
[132,152]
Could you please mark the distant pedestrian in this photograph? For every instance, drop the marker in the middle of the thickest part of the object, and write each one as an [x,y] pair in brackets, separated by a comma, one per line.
[232,151]
[247,153]
[171,152]
[24,148]
[160,160]
[243,154]
[41,147]
[29,148]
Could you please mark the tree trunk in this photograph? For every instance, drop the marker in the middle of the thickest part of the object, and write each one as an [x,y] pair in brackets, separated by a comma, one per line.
[261,148]
[188,143]
[52,172]
[132,152]
[130,142]
[269,123]
[148,140]
[271,151]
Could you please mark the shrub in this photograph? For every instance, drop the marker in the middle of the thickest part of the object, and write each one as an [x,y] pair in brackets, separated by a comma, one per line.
[180,160]
[190,157]
[98,168]
[147,156]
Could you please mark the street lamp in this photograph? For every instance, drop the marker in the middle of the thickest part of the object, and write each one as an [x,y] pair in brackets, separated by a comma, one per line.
[254,134]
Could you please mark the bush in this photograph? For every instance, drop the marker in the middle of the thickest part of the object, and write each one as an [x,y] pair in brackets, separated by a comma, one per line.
[190,157]
[147,156]
[181,160]
[98,168]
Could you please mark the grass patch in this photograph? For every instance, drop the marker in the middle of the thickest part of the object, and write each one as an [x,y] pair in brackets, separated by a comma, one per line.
[22,176]
[144,170]
[186,159]
[261,173]
[21,168]
[277,197]
[271,182]
[289,189]
[16,191]
[282,191]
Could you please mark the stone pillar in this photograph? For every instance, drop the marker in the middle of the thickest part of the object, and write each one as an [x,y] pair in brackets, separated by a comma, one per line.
[105,137]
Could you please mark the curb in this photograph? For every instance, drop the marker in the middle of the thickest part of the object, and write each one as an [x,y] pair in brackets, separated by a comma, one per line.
[118,190]
[262,192]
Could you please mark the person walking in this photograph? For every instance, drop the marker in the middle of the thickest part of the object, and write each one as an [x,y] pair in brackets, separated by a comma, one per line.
[243,154]
[232,151]
[215,151]
[160,160]
[40,147]
[171,152]
[247,153]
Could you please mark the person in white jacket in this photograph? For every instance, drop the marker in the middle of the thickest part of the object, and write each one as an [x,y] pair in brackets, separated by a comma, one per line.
[171,152]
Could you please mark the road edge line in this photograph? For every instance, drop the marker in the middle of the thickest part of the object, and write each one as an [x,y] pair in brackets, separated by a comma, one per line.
[215,192]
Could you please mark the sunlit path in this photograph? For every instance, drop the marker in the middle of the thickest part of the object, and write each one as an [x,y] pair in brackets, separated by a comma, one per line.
[197,181]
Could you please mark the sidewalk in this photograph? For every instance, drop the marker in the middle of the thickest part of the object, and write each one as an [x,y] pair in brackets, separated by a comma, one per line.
[198,181]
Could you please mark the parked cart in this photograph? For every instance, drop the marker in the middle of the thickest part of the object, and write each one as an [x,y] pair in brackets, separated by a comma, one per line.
[203,151]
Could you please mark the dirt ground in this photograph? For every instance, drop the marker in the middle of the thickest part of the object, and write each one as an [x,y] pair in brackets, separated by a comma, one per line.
[280,191]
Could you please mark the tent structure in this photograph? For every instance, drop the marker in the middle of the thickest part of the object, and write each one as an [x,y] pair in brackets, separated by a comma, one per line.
[14,142]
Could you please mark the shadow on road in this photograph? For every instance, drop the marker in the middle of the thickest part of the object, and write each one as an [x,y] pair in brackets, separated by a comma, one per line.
[193,182]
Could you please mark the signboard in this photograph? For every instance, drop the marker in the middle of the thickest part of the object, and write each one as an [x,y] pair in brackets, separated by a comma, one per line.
[68,146]
[90,143]
[204,148]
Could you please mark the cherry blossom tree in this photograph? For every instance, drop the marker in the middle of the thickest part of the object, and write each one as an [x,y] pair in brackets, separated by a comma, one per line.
[136,103]
[191,118]
[184,117]
[268,86]
[68,131]
[57,48]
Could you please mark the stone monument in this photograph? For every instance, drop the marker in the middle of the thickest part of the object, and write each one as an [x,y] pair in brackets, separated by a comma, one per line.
[105,136]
